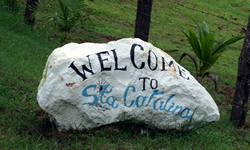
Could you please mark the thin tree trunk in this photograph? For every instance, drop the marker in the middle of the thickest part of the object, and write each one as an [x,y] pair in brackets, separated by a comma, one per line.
[241,95]
[142,23]
[28,18]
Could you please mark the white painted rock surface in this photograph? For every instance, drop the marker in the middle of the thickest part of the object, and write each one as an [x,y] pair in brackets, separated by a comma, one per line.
[89,85]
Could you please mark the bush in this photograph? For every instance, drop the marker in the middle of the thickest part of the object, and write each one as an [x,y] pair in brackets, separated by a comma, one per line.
[11,5]
[61,15]
[205,47]
[207,50]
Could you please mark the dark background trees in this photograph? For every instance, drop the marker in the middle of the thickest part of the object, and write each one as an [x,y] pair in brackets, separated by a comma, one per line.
[241,96]
[29,10]
[142,23]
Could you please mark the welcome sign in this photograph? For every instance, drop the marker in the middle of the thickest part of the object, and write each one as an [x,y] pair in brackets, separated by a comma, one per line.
[88,85]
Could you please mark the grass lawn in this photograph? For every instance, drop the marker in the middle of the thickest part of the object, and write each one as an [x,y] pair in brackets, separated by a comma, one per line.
[24,51]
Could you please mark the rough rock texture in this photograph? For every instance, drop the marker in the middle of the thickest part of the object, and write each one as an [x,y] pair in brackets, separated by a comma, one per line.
[89,85]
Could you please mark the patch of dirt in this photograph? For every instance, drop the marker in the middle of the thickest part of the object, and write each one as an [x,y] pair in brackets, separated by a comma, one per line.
[228,92]
[2,110]
[236,6]
[47,127]
[126,1]
[247,127]
[107,37]
[85,41]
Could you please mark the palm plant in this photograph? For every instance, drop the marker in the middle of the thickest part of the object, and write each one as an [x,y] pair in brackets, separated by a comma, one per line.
[11,5]
[63,14]
[206,50]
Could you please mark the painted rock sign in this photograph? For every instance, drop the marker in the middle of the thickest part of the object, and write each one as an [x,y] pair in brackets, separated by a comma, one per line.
[89,85]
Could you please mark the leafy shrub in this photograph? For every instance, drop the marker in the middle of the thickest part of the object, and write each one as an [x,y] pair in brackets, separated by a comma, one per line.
[62,15]
[11,5]
[206,50]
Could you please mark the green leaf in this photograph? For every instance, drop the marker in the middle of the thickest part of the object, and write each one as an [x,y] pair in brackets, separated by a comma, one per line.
[210,38]
[223,46]
[198,26]
[208,45]
[203,47]
[208,63]
[189,39]
[205,28]
[195,43]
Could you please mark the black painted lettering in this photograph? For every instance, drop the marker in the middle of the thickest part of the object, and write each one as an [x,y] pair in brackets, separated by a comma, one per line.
[171,63]
[84,68]
[144,80]
[116,62]
[101,60]
[150,61]
[182,73]
[132,56]
[154,82]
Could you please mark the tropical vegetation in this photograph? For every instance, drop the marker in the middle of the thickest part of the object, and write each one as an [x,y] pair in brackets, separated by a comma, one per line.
[207,50]
[24,51]
[62,15]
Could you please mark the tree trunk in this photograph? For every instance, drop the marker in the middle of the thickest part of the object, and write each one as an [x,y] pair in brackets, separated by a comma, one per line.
[143,16]
[241,95]
[28,18]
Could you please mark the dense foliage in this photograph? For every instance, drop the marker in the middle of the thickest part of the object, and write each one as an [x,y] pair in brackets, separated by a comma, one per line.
[24,52]
[11,5]
[62,15]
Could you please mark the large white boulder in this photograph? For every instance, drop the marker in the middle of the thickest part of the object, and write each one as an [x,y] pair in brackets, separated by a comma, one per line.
[89,85]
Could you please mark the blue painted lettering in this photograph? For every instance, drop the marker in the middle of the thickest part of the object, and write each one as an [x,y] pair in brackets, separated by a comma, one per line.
[113,101]
[187,112]
[152,95]
[155,103]
[85,94]
[143,100]
[125,96]
[110,100]
[167,102]
[176,108]
[170,107]
[104,91]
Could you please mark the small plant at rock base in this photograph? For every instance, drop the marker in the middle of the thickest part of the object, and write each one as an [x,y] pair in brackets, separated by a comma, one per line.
[206,50]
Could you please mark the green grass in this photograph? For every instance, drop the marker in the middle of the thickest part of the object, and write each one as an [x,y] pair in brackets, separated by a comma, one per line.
[23,54]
